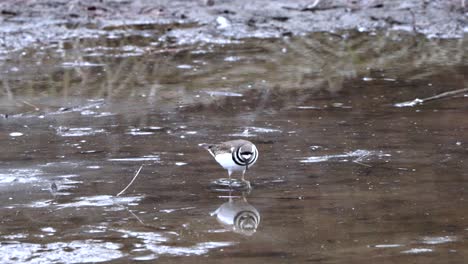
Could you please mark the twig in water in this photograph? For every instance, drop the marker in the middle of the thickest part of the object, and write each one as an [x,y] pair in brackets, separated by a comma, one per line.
[136,216]
[435,97]
[134,177]
[28,103]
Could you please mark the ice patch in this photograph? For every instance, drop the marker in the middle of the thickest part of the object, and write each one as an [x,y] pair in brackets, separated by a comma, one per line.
[60,252]
[15,236]
[139,133]
[198,249]
[144,158]
[253,131]
[20,176]
[100,201]
[232,58]
[93,103]
[78,131]
[306,107]
[48,230]
[143,131]
[155,242]
[168,211]
[387,245]
[220,93]
[184,66]
[357,156]
[76,64]
[16,134]
[417,250]
[409,103]
[438,240]
[147,237]
[147,257]
[223,22]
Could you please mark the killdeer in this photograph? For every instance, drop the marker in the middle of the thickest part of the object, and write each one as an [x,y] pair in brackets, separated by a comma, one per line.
[234,155]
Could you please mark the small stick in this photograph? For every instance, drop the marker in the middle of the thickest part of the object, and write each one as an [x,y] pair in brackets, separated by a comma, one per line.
[134,177]
[136,216]
[28,103]
[435,97]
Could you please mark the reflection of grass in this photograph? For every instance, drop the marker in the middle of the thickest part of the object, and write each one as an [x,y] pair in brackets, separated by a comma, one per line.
[320,62]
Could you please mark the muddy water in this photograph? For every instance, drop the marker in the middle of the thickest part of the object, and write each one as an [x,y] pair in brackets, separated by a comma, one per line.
[344,176]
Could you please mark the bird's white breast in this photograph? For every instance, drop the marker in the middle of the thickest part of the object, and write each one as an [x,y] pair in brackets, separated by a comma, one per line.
[225,160]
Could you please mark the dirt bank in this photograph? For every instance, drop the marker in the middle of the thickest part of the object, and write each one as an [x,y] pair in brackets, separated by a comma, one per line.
[27,22]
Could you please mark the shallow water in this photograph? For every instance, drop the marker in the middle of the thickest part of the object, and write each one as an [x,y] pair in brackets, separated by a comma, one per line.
[344,174]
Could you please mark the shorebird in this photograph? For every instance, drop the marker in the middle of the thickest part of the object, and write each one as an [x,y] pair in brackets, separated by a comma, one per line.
[234,155]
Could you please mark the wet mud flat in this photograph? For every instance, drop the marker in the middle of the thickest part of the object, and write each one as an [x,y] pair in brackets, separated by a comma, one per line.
[346,172]
[40,23]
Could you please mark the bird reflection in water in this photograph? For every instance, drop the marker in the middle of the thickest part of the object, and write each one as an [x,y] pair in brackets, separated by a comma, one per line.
[238,216]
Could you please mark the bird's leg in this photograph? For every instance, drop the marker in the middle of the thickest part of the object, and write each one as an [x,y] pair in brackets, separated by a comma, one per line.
[229,173]
[247,182]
